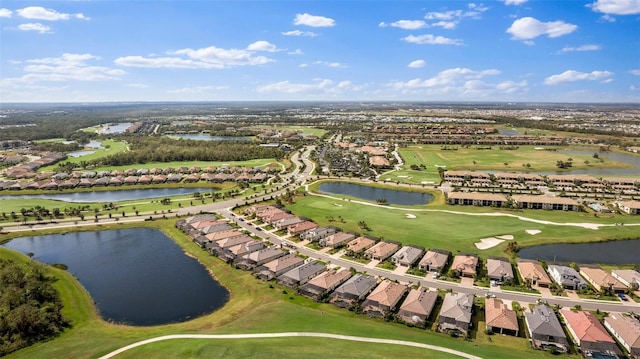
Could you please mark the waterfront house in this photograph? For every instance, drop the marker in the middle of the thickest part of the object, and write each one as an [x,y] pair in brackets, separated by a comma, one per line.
[417,306]
[318,287]
[629,207]
[589,334]
[455,314]
[626,329]
[533,273]
[545,329]
[499,318]
[383,299]
[601,280]
[567,277]
[627,277]
[353,290]
[434,260]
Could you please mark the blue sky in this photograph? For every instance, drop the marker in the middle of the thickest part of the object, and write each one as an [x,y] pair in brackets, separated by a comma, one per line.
[377,50]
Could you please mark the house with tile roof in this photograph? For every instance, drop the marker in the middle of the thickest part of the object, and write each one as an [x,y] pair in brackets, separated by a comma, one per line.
[499,270]
[567,277]
[627,277]
[407,256]
[455,314]
[417,306]
[499,318]
[257,258]
[545,329]
[359,245]
[533,273]
[384,299]
[337,239]
[601,279]
[434,260]
[301,274]
[626,330]
[353,290]
[277,267]
[381,250]
[465,265]
[589,334]
[319,286]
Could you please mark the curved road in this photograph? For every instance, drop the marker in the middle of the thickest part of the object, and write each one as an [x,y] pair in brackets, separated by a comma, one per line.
[288,335]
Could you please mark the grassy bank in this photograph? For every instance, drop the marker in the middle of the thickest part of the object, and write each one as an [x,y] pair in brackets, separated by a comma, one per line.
[253,307]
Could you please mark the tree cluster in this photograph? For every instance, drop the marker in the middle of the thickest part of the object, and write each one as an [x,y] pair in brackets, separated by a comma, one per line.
[30,307]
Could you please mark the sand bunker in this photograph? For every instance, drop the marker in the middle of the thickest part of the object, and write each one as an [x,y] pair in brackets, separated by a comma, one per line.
[402,176]
[486,243]
[532,232]
[507,237]
[408,215]
[337,205]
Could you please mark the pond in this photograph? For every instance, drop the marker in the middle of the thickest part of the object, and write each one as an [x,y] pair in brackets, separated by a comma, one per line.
[612,252]
[509,132]
[80,153]
[391,196]
[115,128]
[111,196]
[137,276]
[204,137]
[632,160]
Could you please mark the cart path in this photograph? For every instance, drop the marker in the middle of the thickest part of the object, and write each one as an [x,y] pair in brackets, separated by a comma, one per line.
[288,335]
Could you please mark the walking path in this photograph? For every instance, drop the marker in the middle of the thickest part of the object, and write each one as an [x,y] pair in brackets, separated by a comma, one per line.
[288,335]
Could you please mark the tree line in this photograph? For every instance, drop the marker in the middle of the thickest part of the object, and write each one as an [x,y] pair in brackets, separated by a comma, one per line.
[30,307]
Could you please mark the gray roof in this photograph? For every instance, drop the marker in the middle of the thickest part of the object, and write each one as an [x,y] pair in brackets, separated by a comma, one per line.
[262,254]
[408,254]
[304,271]
[357,285]
[568,276]
[543,321]
[457,306]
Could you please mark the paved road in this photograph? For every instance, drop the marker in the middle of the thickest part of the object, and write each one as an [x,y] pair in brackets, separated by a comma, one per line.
[290,335]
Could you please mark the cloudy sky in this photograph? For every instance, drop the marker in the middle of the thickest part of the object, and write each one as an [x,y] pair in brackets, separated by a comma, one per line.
[149,50]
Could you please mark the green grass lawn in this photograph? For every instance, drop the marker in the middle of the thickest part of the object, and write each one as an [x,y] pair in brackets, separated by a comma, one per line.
[261,162]
[254,307]
[111,147]
[457,232]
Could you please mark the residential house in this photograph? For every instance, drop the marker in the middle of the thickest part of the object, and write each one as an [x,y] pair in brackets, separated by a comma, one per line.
[296,229]
[337,239]
[627,277]
[434,260]
[417,306]
[277,267]
[499,318]
[476,199]
[384,299]
[533,273]
[257,258]
[381,250]
[353,290]
[545,202]
[545,329]
[626,330]
[567,277]
[455,314]
[589,334]
[301,274]
[499,270]
[359,245]
[286,222]
[217,248]
[233,252]
[319,286]
[407,256]
[465,265]
[629,207]
[602,280]
[317,233]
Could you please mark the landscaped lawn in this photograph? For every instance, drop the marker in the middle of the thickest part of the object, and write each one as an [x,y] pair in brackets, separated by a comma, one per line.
[457,232]
[111,147]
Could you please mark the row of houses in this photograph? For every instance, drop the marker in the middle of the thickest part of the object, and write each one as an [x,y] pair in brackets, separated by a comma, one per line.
[570,183]
[27,170]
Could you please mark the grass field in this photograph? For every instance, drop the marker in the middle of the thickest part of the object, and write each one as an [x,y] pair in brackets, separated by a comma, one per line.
[526,158]
[202,164]
[457,232]
[305,130]
[111,147]
[253,308]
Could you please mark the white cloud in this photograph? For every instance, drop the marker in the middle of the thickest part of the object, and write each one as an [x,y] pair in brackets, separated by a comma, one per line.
[607,18]
[191,90]
[206,58]
[616,7]
[451,18]
[581,48]
[417,64]
[5,12]
[68,67]
[449,25]
[40,13]
[635,72]
[317,87]
[299,33]
[406,24]
[303,66]
[445,78]
[514,2]
[262,46]
[572,76]
[43,29]
[331,64]
[295,52]
[137,85]
[528,28]
[429,39]
[313,20]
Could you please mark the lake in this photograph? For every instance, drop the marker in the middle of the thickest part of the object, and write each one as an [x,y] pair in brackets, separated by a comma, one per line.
[135,276]
[612,252]
[392,196]
[115,128]
[629,159]
[111,196]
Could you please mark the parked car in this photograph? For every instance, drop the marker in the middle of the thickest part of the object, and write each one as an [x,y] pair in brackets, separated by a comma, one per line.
[622,297]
